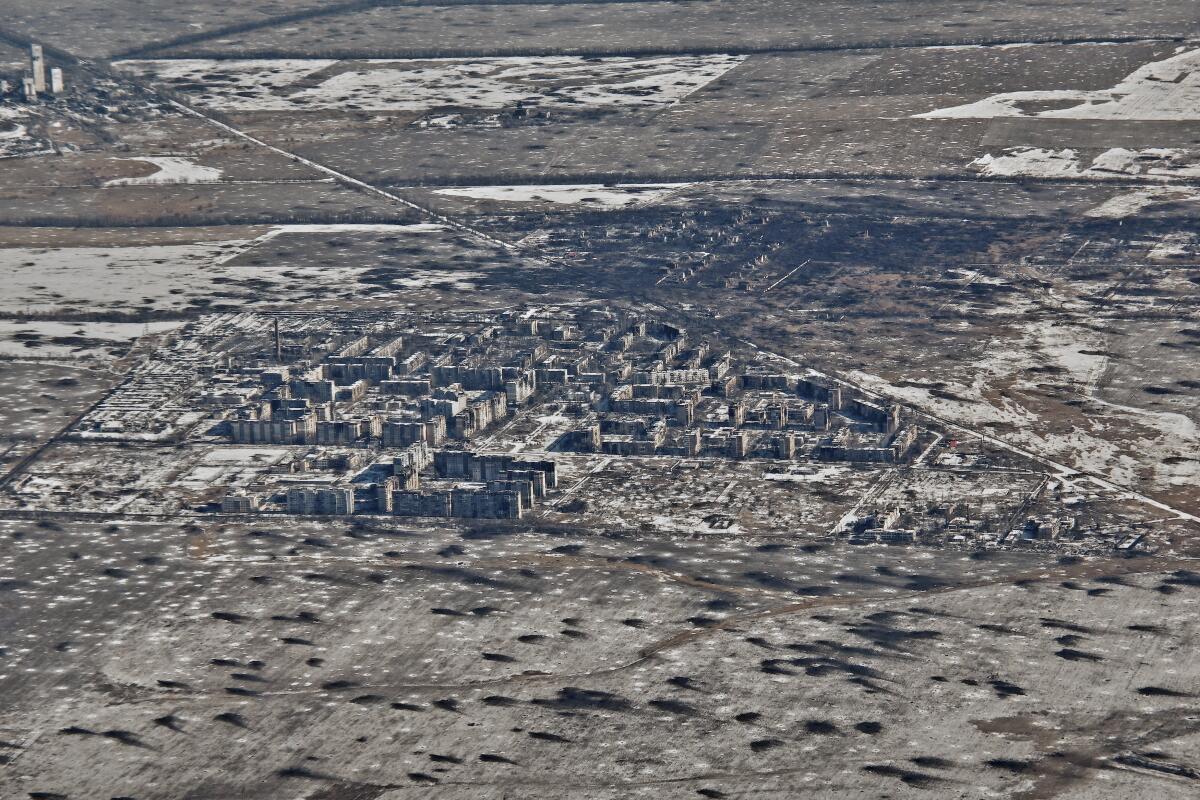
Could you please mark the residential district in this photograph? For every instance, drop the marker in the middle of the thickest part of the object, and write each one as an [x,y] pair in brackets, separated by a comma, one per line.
[395,413]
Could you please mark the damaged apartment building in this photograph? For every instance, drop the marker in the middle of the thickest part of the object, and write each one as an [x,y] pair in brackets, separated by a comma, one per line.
[425,391]
[691,403]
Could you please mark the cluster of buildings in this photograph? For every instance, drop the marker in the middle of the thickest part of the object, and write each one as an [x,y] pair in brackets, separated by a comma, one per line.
[37,79]
[956,524]
[633,386]
[470,485]
[468,416]
[983,508]
[383,389]
[163,397]
[375,385]
[419,482]
[395,404]
[691,401]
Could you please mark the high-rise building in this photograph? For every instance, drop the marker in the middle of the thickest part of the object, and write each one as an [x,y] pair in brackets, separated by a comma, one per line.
[56,80]
[38,62]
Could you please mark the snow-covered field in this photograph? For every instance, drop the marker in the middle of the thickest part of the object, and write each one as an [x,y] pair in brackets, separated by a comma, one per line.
[1128,203]
[1035,162]
[423,85]
[72,339]
[159,276]
[461,279]
[1160,90]
[347,275]
[1130,446]
[44,279]
[1156,163]
[808,474]
[1167,90]
[349,227]
[230,466]
[171,169]
[587,194]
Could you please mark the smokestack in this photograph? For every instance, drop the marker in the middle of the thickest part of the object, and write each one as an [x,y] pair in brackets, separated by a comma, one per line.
[278,344]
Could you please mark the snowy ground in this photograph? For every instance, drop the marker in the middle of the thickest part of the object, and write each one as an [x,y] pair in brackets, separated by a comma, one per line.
[423,85]
[587,194]
[171,169]
[159,276]
[1131,446]
[45,279]
[14,133]
[1175,245]
[1161,90]
[72,339]
[423,227]
[230,466]
[1129,203]
[1156,163]
[1167,90]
